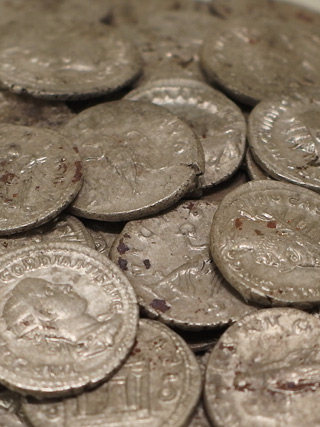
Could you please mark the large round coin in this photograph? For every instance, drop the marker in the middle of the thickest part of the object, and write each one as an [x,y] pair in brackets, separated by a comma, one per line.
[255,58]
[159,385]
[265,240]
[264,371]
[138,159]
[217,122]
[68,319]
[40,174]
[167,260]
[53,61]
[284,137]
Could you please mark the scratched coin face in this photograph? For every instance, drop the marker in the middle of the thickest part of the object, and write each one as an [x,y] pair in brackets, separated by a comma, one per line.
[265,241]
[40,174]
[159,385]
[264,371]
[138,159]
[75,61]
[217,122]
[255,58]
[284,137]
[167,260]
[68,319]
[64,228]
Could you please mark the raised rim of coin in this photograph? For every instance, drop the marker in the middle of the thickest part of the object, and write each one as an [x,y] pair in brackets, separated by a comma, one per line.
[68,358]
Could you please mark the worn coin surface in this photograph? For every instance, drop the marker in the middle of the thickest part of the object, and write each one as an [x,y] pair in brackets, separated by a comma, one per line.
[27,111]
[159,385]
[265,241]
[264,371]
[64,228]
[217,122]
[284,137]
[167,260]
[138,159]
[74,61]
[9,407]
[253,169]
[68,319]
[255,58]
[40,174]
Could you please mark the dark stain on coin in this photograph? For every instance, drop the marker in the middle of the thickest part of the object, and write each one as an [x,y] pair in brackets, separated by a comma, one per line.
[123,263]
[122,248]
[160,305]
[147,263]
[272,224]
[238,223]
[78,173]
[258,232]
[8,177]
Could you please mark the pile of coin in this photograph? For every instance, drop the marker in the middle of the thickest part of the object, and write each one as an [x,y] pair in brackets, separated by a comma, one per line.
[143,280]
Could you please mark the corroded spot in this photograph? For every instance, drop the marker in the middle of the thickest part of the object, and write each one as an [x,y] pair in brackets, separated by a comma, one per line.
[258,233]
[122,248]
[160,305]
[78,172]
[238,223]
[8,177]
[123,263]
[272,224]
[147,264]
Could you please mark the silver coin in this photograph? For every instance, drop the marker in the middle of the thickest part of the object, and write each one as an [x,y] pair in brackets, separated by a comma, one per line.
[9,409]
[75,61]
[264,371]
[64,228]
[284,137]
[217,122]
[167,260]
[40,174]
[159,385]
[25,111]
[265,241]
[255,58]
[103,234]
[138,159]
[68,319]
[254,170]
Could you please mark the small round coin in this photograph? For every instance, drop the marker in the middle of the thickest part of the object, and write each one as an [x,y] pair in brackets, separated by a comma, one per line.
[75,61]
[255,58]
[284,137]
[166,259]
[40,174]
[264,371]
[68,319]
[159,385]
[265,241]
[138,159]
[217,122]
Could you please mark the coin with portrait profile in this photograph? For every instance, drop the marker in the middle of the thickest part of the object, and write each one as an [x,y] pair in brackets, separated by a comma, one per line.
[40,174]
[68,319]
[138,159]
[265,241]
[159,385]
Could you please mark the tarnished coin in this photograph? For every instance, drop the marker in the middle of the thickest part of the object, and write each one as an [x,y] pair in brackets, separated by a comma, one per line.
[255,58]
[284,137]
[217,122]
[138,159]
[77,61]
[68,319]
[167,260]
[264,371]
[40,174]
[27,111]
[265,241]
[159,385]
[9,407]
[64,228]
[254,170]
[103,234]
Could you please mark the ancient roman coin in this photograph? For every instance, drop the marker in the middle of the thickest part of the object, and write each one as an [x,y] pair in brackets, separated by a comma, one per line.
[9,409]
[138,159]
[27,111]
[75,61]
[68,319]
[40,174]
[217,122]
[264,371]
[159,385]
[64,228]
[284,137]
[167,260]
[103,234]
[255,58]
[253,169]
[265,241]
